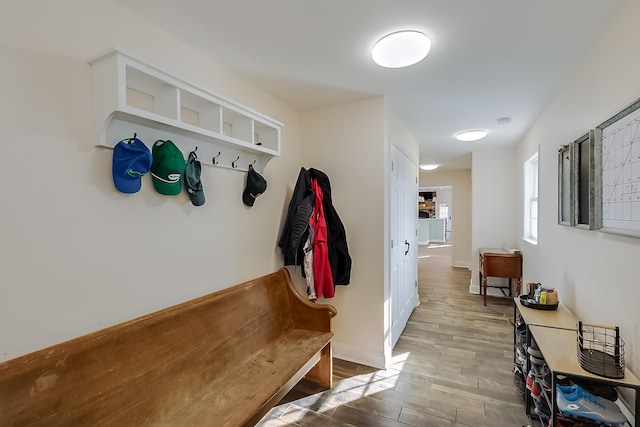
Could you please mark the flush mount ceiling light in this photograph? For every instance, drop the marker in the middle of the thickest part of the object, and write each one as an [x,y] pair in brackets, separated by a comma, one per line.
[401,49]
[471,135]
[428,167]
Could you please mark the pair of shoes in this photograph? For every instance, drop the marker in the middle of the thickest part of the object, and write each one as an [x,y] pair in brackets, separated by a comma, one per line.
[544,415]
[530,380]
[575,401]
[603,390]
[545,377]
[536,360]
[536,390]
[518,381]
[521,334]
[541,404]
[535,352]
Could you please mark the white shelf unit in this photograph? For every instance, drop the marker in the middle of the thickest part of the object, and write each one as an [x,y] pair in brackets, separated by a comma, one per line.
[133,97]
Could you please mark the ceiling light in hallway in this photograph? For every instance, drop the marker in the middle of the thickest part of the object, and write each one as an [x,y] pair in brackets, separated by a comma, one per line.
[401,49]
[471,135]
[428,167]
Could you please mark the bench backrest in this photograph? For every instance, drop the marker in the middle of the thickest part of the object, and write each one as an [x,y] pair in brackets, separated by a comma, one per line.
[168,354]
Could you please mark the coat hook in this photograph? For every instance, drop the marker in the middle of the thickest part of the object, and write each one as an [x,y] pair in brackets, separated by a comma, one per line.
[214,161]
[254,162]
[135,135]
[233,164]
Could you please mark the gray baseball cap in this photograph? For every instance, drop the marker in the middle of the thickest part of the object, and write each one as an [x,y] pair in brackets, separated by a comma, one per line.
[192,181]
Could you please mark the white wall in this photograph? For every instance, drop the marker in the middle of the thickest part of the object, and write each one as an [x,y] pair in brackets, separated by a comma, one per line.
[460,181]
[346,142]
[77,255]
[350,143]
[595,273]
[396,131]
[494,217]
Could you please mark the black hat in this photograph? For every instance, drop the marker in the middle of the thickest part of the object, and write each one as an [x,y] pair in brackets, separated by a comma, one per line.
[256,185]
[192,181]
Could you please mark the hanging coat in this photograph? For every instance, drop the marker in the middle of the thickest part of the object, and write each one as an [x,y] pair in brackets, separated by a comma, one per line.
[295,229]
[336,235]
[322,277]
[307,268]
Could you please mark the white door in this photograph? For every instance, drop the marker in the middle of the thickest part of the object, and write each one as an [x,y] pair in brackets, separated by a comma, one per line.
[404,242]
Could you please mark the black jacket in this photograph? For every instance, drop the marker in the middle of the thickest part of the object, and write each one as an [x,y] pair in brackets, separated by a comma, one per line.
[296,226]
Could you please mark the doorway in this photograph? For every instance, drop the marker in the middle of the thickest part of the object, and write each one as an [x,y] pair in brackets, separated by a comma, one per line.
[403,280]
[435,207]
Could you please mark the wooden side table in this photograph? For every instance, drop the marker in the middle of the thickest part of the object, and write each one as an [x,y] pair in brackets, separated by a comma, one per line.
[500,263]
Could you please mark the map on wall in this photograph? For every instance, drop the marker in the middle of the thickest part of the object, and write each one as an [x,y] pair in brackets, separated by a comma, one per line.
[621,170]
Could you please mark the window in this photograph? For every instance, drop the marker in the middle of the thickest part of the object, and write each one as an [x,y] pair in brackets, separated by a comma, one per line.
[531,199]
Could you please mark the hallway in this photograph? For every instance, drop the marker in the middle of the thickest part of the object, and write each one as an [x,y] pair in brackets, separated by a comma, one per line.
[452,365]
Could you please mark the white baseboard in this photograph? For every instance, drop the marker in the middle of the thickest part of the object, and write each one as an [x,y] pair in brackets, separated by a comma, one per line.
[474,289]
[359,355]
[461,264]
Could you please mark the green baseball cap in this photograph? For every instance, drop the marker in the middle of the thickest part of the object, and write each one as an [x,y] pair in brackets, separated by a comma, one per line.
[167,168]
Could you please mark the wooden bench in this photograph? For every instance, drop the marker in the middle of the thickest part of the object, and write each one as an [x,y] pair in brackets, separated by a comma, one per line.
[224,359]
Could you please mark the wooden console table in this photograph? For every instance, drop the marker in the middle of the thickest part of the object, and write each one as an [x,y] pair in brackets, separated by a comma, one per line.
[500,263]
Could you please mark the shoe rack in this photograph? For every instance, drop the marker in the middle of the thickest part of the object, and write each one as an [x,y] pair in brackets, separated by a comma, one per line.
[553,334]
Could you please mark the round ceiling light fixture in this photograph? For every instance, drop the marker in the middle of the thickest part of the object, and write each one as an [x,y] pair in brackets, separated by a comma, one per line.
[471,135]
[401,49]
[428,167]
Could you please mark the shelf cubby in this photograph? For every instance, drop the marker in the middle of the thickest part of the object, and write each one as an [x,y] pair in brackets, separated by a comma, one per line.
[265,136]
[199,112]
[150,94]
[236,125]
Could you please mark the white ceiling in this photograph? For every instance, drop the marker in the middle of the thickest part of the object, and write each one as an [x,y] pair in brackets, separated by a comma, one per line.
[489,58]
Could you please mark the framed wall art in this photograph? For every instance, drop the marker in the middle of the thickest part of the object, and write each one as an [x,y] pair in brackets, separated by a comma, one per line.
[619,158]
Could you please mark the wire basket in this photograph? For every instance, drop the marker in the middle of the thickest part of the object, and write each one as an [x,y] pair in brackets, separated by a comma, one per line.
[601,350]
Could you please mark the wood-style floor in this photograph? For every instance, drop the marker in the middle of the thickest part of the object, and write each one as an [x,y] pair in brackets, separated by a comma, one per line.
[452,366]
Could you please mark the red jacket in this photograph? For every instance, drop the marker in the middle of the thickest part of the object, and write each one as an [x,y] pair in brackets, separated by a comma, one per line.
[323,279]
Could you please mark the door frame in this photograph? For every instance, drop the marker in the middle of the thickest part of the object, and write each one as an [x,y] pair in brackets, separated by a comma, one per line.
[388,344]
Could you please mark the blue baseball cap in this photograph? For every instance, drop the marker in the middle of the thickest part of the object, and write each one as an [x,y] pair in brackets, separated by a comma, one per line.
[131,160]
